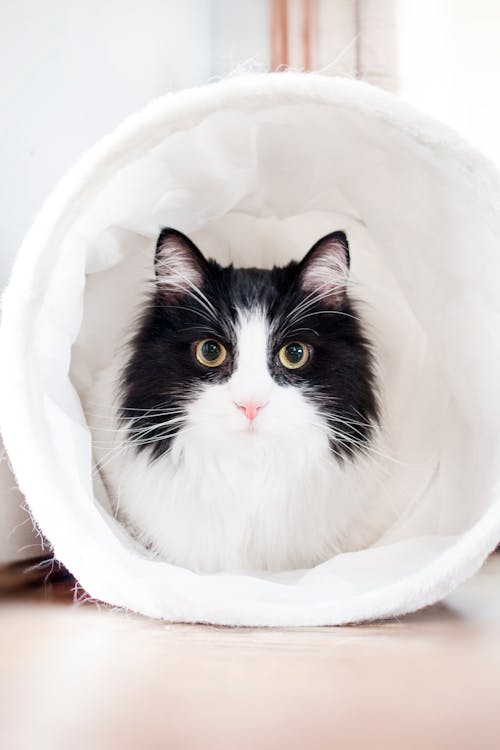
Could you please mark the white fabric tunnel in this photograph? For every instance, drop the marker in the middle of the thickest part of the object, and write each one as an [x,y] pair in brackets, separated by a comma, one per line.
[256,168]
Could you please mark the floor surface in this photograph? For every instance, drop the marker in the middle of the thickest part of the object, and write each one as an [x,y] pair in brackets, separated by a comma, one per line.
[78,675]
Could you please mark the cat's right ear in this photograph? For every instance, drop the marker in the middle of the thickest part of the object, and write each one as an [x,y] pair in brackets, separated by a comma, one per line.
[179,265]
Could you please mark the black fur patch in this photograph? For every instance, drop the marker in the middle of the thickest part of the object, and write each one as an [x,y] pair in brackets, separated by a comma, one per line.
[164,374]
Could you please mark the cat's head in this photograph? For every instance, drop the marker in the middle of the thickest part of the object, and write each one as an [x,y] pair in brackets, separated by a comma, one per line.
[225,354]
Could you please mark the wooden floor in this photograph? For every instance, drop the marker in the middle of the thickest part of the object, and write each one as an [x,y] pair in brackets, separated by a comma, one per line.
[81,676]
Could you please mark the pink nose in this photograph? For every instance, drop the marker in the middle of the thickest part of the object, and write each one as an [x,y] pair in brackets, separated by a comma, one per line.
[250,408]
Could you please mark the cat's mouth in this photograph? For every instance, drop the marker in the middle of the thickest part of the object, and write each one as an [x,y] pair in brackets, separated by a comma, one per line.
[256,428]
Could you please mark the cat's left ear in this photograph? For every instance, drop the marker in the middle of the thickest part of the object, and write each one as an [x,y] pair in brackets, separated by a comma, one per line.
[179,265]
[325,268]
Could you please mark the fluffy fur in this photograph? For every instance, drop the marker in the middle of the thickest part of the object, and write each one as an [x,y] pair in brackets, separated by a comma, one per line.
[201,483]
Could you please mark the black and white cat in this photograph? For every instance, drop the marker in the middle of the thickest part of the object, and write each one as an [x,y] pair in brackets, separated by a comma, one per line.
[245,416]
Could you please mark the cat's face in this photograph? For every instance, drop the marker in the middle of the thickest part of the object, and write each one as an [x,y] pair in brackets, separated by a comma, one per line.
[225,355]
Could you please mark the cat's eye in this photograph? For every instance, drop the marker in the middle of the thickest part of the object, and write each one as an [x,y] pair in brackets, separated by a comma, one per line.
[210,353]
[294,355]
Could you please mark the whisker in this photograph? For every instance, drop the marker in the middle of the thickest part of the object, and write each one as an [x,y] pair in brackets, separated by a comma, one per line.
[150,409]
[140,429]
[121,447]
[121,420]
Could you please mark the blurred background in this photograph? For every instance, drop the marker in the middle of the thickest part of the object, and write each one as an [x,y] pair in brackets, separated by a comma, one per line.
[70,71]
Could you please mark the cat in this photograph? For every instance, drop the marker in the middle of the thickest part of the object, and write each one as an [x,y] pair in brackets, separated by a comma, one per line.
[245,414]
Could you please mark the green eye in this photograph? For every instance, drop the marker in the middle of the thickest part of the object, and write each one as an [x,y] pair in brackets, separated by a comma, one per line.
[210,353]
[294,355]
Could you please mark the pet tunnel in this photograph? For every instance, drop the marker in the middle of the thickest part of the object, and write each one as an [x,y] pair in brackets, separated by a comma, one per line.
[256,168]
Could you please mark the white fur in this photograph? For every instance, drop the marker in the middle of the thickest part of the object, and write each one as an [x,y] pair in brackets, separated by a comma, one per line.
[235,493]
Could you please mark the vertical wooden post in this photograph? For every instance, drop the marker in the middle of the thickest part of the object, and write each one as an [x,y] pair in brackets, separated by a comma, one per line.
[287,16]
[309,33]
[279,34]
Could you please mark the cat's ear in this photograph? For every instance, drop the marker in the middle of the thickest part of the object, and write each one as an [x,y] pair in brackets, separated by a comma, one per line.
[325,269]
[179,265]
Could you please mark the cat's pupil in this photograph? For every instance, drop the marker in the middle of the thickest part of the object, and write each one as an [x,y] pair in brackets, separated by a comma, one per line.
[294,353]
[211,351]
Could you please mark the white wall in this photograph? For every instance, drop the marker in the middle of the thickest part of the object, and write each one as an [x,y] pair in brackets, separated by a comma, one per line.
[239,35]
[449,54]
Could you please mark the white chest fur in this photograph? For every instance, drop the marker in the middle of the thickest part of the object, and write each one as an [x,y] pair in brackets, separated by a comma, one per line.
[254,508]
